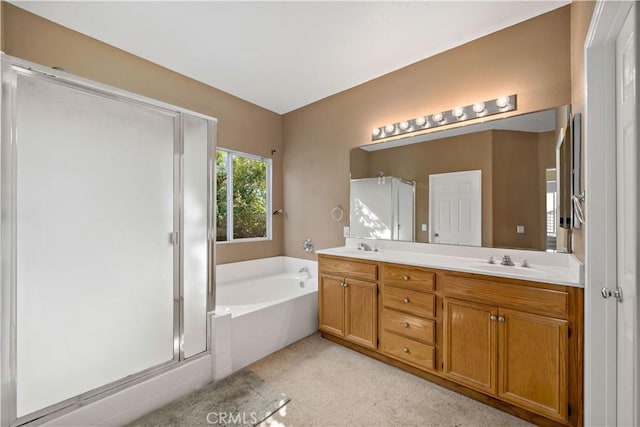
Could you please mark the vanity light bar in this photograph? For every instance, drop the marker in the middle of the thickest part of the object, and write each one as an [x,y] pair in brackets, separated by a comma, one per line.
[455,115]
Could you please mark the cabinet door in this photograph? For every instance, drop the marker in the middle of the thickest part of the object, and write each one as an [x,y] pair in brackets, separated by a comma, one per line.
[470,344]
[533,362]
[362,313]
[331,305]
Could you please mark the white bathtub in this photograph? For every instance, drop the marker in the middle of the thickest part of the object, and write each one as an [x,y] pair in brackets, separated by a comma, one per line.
[261,306]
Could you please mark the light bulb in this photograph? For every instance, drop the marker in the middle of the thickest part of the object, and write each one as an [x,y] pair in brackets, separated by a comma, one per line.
[421,121]
[478,108]
[404,125]
[458,112]
[376,132]
[438,117]
[502,102]
[389,128]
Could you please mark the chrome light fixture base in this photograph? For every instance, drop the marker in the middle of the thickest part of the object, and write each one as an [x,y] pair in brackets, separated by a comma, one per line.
[476,110]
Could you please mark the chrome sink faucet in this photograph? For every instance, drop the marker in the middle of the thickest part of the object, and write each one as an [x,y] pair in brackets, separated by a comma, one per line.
[365,247]
[506,260]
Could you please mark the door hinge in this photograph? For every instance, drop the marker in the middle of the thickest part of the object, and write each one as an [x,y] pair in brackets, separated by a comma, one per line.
[569,410]
[441,365]
[569,332]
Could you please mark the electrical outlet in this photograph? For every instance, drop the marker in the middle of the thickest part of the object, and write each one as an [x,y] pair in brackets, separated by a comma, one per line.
[424,227]
[345,232]
[520,229]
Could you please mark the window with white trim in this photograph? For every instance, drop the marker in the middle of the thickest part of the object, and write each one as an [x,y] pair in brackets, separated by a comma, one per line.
[243,196]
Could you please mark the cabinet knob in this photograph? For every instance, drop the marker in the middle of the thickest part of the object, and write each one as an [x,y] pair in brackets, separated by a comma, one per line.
[343,284]
[405,277]
[405,300]
[492,318]
[500,319]
[405,349]
[406,325]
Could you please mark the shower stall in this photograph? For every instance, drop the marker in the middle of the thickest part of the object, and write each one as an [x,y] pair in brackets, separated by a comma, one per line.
[107,239]
[382,208]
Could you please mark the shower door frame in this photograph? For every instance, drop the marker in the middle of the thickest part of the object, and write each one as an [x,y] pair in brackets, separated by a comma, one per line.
[11,67]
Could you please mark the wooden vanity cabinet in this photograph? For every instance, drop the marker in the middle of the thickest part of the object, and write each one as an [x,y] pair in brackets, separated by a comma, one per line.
[408,324]
[470,344]
[514,344]
[533,362]
[347,304]
[512,353]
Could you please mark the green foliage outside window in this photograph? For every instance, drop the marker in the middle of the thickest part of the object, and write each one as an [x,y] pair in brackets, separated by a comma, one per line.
[250,198]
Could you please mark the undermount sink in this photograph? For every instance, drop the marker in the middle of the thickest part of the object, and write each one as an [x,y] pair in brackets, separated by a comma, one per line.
[505,269]
[355,251]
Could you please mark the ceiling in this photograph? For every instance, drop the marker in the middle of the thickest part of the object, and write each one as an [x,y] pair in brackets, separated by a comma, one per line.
[285,55]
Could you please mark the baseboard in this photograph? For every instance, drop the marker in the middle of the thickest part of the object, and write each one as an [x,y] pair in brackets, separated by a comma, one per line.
[133,402]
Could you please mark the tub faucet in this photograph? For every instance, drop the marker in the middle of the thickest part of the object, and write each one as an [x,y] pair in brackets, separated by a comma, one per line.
[305,269]
[365,247]
[506,260]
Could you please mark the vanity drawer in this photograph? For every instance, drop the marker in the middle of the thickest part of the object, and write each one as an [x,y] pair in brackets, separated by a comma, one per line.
[409,301]
[409,351]
[345,267]
[410,278]
[410,326]
[527,298]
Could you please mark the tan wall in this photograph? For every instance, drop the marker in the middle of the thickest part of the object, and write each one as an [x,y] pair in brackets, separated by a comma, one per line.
[581,12]
[530,59]
[516,190]
[1,27]
[242,126]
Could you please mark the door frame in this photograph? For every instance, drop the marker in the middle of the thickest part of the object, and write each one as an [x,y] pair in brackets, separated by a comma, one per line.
[600,400]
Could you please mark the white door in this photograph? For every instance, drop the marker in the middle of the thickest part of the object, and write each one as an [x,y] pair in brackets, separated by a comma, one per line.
[627,222]
[455,208]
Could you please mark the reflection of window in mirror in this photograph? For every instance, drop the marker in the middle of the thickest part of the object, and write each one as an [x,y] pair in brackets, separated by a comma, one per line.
[552,209]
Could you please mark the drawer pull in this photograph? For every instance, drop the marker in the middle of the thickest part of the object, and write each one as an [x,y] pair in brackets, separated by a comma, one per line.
[406,325]
[405,349]
[405,300]
[405,277]
[492,318]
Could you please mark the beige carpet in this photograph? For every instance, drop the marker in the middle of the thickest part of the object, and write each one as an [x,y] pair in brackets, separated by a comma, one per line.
[330,385]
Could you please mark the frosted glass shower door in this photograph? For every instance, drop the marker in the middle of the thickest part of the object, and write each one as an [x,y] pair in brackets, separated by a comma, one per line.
[95,268]
[198,170]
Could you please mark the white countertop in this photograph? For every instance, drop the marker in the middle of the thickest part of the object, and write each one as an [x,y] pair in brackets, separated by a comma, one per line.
[569,275]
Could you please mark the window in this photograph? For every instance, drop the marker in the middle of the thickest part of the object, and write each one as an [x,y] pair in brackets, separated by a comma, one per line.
[243,196]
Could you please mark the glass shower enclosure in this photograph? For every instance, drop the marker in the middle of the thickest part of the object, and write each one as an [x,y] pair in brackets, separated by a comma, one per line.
[107,251]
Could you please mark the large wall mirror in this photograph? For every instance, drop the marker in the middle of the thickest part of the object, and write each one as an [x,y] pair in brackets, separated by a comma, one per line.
[491,184]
